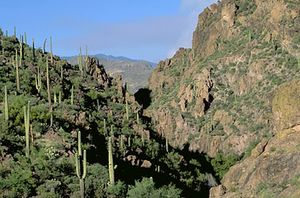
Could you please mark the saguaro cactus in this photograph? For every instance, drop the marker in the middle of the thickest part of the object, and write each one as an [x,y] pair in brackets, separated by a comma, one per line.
[167,145]
[49,92]
[44,46]
[15,32]
[62,74]
[72,95]
[33,50]
[17,71]
[25,38]
[110,159]
[80,61]
[48,82]
[27,127]
[59,97]
[86,59]
[55,98]
[21,50]
[5,104]
[38,81]
[51,52]
[80,162]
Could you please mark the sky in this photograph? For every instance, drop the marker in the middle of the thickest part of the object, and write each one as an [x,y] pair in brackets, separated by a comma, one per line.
[141,29]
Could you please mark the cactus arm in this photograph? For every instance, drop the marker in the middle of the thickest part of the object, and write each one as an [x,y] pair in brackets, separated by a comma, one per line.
[51,52]
[79,143]
[44,46]
[84,164]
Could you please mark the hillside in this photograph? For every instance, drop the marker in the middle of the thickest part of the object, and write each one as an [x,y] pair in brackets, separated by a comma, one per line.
[134,72]
[73,131]
[216,98]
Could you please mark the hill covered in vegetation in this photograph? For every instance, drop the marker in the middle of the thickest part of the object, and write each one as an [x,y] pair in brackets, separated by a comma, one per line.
[72,130]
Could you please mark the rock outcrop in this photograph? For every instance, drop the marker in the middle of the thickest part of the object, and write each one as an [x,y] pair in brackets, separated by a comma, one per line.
[272,169]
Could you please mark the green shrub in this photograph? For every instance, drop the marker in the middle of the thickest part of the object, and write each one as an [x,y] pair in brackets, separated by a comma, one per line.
[146,188]
[221,163]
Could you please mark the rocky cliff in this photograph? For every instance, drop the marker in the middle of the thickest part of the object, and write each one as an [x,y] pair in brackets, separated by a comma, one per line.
[272,169]
[216,96]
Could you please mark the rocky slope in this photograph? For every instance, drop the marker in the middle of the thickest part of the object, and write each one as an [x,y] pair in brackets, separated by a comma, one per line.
[216,98]
[134,72]
[272,169]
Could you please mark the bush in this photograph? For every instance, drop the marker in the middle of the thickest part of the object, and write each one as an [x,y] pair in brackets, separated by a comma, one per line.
[146,188]
[221,163]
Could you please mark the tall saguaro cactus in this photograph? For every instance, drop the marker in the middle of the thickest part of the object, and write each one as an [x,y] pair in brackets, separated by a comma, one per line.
[80,165]
[5,103]
[33,50]
[25,38]
[17,71]
[167,145]
[21,50]
[44,46]
[72,95]
[86,59]
[51,52]
[27,127]
[110,159]
[15,32]
[80,61]
[48,91]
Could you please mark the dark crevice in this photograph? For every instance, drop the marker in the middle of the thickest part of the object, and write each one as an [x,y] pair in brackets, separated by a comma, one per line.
[143,97]
[207,103]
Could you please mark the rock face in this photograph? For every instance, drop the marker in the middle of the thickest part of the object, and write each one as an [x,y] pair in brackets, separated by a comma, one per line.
[98,72]
[215,97]
[273,168]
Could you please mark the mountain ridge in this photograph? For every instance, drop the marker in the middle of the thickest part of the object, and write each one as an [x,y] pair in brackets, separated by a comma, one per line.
[134,72]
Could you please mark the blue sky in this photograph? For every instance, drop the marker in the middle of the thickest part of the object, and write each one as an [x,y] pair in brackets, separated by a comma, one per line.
[140,29]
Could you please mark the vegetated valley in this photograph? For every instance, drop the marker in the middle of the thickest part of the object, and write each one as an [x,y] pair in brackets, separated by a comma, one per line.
[218,120]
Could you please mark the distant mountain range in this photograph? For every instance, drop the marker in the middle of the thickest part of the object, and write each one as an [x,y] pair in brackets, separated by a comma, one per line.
[134,72]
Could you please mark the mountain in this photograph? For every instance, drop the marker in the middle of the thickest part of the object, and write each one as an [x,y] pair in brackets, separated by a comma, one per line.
[74,131]
[134,72]
[218,120]
[235,92]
